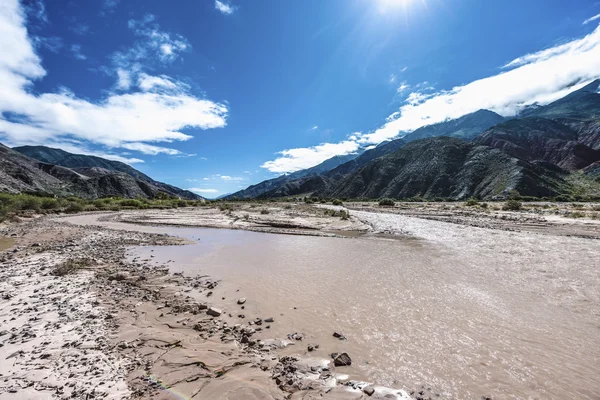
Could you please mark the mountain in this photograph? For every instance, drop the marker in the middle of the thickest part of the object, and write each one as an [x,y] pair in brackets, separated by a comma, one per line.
[271,185]
[466,127]
[535,138]
[98,167]
[20,173]
[449,168]
[581,105]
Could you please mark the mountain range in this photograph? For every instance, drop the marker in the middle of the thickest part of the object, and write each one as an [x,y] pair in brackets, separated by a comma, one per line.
[480,154]
[39,169]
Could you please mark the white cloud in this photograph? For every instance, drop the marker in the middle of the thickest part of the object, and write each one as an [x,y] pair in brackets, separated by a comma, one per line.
[301,158]
[314,128]
[404,86]
[149,149]
[76,50]
[118,119]
[148,83]
[404,69]
[592,19]
[224,8]
[163,46]
[231,178]
[537,78]
[123,79]
[393,79]
[203,191]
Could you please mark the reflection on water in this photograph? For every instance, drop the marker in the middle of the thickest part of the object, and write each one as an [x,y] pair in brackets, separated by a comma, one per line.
[413,312]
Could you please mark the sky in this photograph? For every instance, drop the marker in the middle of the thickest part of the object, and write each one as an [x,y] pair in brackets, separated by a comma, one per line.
[216,95]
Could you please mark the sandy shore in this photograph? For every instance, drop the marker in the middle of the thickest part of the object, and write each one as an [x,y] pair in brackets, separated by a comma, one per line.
[80,321]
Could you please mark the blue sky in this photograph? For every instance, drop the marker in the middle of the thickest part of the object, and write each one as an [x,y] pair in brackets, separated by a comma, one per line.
[217,95]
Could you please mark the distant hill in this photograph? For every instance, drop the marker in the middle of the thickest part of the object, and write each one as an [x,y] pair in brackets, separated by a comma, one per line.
[467,127]
[98,167]
[21,173]
[270,185]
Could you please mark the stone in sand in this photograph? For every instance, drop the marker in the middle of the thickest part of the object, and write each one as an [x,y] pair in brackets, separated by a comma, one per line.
[369,390]
[339,335]
[342,360]
[270,319]
[242,300]
[214,312]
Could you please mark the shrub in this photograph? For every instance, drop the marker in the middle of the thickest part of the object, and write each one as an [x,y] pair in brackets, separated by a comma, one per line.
[49,204]
[337,202]
[287,207]
[130,203]
[74,208]
[483,205]
[512,205]
[387,202]
[471,202]
[514,195]
[264,211]
[576,215]
[26,202]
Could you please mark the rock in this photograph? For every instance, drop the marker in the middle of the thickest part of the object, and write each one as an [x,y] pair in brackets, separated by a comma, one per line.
[242,300]
[342,360]
[339,335]
[369,390]
[270,319]
[214,312]
[119,276]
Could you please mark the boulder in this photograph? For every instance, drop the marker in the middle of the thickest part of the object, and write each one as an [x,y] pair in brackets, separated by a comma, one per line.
[342,360]
[214,312]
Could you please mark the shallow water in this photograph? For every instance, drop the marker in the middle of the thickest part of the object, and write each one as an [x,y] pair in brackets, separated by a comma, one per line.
[6,243]
[469,312]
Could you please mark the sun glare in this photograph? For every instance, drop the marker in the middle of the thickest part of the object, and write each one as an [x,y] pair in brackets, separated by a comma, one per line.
[390,5]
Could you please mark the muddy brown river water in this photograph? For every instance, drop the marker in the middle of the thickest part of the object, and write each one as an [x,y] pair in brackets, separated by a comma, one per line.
[470,312]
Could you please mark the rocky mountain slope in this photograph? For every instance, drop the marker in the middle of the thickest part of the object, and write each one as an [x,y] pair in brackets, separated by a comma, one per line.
[535,138]
[85,163]
[466,127]
[20,173]
[447,168]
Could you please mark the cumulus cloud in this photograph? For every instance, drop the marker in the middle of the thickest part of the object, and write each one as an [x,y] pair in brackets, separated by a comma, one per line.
[536,78]
[118,120]
[592,19]
[224,7]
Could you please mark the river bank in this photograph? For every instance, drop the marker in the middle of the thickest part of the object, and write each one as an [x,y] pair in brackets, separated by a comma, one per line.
[141,312]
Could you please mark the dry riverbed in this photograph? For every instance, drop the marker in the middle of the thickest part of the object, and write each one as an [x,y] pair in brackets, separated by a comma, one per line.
[82,320]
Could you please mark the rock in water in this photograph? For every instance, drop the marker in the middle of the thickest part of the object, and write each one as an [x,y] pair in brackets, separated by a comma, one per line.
[214,312]
[369,390]
[342,360]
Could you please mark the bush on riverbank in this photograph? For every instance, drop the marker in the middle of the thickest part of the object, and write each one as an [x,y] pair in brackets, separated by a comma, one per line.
[14,204]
